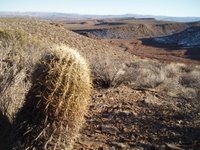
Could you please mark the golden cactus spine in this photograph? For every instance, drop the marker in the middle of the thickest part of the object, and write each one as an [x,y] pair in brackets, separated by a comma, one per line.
[55,106]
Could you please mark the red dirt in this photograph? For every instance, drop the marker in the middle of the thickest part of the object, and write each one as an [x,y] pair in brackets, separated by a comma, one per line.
[135,46]
[127,119]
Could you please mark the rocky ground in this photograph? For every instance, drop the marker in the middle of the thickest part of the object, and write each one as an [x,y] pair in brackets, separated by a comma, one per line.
[126,119]
[123,118]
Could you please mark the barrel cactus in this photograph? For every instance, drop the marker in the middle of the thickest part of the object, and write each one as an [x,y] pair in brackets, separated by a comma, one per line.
[56,103]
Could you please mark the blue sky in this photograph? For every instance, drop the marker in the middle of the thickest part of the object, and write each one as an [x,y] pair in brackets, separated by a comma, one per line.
[179,8]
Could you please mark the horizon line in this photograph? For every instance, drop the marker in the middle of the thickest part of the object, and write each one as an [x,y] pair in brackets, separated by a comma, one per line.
[81,14]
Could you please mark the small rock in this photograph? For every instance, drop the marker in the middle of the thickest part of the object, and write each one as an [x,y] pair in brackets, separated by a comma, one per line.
[127,112]
[120,145]
[110,130]
[124,113]
[111,98]
[138,148]
[173,147]
[101,96]
[112,148]
[97,131]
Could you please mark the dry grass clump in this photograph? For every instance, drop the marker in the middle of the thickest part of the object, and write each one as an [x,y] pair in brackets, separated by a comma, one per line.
[16,62]
[106,72]
[185,81]
[146,75]
[191,79]
[16,59]
[173,70]
[174,79]
[7,36]
[136,74]
[56,103]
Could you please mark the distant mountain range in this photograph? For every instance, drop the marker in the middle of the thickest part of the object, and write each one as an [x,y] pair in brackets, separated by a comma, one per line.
[70,17]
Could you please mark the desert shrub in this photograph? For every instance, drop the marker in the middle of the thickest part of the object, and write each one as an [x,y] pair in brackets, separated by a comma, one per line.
[172,73]
[106,73]
[141,74]
[131,72]
[7,36]
[173,70]
[15,61]
[55,105]
[137,74]
[17,57]
[150,76]
[174,79]
[188,93]
[191,79]
[181,81]
[15,67]
[195,102]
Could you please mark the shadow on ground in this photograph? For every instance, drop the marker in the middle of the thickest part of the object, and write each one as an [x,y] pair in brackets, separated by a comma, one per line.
[5,127]
[170,42]
[152,127]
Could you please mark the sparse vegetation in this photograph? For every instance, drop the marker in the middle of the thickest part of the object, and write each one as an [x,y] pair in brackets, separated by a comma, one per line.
[44,90]
[45,93]
[191,79]
[174,79]
[107,73]
[15,62]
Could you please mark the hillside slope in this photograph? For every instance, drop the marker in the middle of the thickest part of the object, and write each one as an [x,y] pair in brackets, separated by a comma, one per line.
[56,34]
[136,103]
[134,29]
[140,37]
[189,38]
